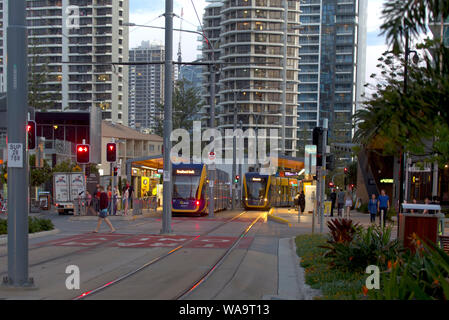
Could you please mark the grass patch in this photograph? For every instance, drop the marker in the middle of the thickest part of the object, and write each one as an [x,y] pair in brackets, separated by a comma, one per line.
[335,284]
[34,225]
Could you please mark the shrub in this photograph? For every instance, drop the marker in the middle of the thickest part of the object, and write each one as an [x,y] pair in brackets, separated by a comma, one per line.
[368,246]
[423,275]
[342,230]
[3,226]
[39,224]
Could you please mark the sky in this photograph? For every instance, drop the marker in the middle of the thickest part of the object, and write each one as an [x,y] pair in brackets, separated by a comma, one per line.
[148,12]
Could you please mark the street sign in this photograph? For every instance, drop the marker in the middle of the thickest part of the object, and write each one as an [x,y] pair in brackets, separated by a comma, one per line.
[15,155]
[212,156]
[310,151]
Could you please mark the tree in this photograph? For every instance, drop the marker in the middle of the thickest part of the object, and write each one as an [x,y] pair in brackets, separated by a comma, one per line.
[186,105]
[40,96]
[408,121]
[39,176]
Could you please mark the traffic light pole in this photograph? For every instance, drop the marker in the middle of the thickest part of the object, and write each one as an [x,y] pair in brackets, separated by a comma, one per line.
[168,88]
[18,205]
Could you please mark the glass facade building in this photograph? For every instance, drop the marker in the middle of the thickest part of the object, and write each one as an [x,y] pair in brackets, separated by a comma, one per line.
[332,66]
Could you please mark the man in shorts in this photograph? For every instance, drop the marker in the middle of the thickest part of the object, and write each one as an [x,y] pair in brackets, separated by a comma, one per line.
[103,215]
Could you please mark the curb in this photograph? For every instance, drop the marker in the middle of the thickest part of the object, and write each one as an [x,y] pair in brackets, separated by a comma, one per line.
[272,217]
[4,239]
[291,280]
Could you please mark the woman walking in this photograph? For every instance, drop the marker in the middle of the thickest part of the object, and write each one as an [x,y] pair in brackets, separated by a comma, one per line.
[348,204]
[125,200]
[372,208]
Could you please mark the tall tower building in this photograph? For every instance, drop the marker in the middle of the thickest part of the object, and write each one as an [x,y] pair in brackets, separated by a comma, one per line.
[146,86]
[258,53]
[332,66]
[71,46]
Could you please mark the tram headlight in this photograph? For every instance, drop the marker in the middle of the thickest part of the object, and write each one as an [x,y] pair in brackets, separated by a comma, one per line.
[265,199]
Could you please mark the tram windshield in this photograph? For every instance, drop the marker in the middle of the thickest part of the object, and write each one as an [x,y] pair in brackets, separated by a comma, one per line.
[185,187]
[256,187]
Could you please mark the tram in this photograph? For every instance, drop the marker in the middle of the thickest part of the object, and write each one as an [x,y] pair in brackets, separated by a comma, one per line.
[261,192]
[191,189]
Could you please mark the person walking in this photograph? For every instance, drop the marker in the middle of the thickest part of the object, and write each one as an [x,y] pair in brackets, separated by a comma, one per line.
[302,202]
[333,200]
[383,207]
[348,205]
[125,201]
[372,208]
[296,200]
[103,215]
[340,202]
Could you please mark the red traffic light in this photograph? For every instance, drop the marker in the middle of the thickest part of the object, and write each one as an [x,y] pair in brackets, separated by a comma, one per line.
[346,170]
[111,152]
[31,134]
[82,153]
[331,185]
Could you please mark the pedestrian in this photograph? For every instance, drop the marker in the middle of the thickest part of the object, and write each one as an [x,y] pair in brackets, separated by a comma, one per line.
[103,215]
[125,203]
[302,201]
[340,202]
[109,200]
[130,197]
[348,204]
[333,199]
[383,207]
[372,208]
[115,201]
[97,198]
[296,200]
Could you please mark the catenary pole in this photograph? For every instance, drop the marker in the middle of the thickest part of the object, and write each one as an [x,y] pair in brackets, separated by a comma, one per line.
[18,204]
[168,88]
[212,126]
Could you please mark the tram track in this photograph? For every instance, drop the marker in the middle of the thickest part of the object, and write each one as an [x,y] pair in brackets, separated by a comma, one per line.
[48,244]
[184,292]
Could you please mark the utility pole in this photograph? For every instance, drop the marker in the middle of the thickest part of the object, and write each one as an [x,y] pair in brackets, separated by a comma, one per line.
[323,173]
[240,170]
[18,204]
[168,87]
[212,126]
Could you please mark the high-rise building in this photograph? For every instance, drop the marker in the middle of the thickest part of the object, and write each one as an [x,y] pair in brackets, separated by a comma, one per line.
[72,44]
[332,66]
[146,86]
[258,50]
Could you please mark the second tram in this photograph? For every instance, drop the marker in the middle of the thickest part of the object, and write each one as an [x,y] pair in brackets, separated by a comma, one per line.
[261,192]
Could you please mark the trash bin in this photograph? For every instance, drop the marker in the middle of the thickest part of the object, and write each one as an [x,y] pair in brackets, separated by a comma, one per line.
[426,226]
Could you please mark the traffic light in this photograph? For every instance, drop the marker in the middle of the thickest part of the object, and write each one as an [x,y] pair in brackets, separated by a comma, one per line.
[82,153]
[330,163]
[31,134]
[331,184]
[237,178]
[115,171]
[346,170]
[317,139]
[111,152]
